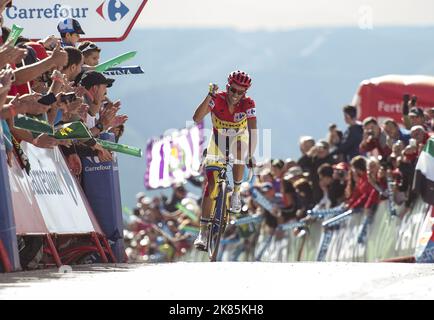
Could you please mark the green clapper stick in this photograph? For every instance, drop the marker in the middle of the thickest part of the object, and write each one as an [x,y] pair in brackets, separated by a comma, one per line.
[14,34]
[72,130]
[115,61]
[32,124]
[122,148]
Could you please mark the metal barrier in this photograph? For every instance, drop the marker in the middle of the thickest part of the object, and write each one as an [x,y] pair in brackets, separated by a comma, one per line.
[344,236]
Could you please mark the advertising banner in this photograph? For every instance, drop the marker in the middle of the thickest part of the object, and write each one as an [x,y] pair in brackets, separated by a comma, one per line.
[425,244]
[382,97]
[101,20]
[24,201]
[7,222]
[57,192]
[173,158]
[102,188]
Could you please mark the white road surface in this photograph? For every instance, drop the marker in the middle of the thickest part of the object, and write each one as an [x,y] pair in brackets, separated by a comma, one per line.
[233,281]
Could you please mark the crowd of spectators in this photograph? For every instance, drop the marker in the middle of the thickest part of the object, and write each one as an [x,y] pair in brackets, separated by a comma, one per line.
[54,80]
[353,168]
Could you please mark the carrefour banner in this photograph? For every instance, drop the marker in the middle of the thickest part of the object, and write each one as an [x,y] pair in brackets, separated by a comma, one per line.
[24,202]
[174,157]
[101,186]
[101,20]
[57,192]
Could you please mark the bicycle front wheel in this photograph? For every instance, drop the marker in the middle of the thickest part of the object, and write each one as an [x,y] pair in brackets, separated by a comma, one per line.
[218,223]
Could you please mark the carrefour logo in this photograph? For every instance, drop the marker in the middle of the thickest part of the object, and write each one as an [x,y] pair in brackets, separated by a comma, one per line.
[57,11]
[111,10]
[114,10]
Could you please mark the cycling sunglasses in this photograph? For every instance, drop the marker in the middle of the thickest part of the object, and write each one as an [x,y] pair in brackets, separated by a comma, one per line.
[239,92]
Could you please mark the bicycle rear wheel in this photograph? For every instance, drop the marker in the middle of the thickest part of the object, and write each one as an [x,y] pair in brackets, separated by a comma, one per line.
[218,223]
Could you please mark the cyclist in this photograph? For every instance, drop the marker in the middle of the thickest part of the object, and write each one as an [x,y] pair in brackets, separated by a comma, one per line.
[233,116]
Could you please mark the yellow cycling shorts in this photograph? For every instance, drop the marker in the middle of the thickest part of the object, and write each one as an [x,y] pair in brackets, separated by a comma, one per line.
[216,150]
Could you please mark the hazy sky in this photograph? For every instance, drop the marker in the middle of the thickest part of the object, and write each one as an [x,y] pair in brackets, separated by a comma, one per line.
[283,14]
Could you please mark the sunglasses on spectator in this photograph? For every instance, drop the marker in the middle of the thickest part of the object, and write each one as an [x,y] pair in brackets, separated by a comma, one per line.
[91,46]
[236,91]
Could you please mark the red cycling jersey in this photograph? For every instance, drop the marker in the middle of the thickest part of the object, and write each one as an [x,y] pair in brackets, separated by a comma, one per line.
[223,119]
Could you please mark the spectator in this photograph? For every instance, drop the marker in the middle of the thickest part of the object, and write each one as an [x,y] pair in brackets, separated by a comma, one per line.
[420,135]
[270,217]
[395,156]
[349,146]
[277,172]
[118,132]
[417,117]
[274,197]
[429,115]
[293,174]
[395,133]
[334,139]
[289,199]
[325,173]
[306,143]
[364,195]
[96,85]
[139,196]
[319,154]
[376,175]
[289,163]
[337,187]
[305,198]
[70,31]
[374,139]
[179,193]
[407,165]
[75,62]
[265,175]
[90,52]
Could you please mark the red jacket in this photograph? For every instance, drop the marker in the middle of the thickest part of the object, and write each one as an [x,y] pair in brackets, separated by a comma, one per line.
[364,195]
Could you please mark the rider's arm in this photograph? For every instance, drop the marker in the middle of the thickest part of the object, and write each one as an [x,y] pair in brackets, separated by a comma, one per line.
[253,135]
[203,109]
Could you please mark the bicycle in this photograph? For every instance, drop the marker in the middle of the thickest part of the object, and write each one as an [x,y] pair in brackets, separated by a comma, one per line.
[220,209]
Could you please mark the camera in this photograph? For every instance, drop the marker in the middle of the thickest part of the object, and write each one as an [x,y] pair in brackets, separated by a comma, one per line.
[68,97]
[413,101]
[48,99]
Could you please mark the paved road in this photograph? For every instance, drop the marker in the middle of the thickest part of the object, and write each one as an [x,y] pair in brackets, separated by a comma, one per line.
[234,281]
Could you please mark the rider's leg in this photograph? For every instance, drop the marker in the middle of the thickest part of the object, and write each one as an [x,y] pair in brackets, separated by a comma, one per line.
[238,172]
[210,176]
[207,201]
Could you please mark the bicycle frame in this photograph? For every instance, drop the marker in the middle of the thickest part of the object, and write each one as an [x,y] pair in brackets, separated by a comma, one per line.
[219,217]
[220,204]
[219,209]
